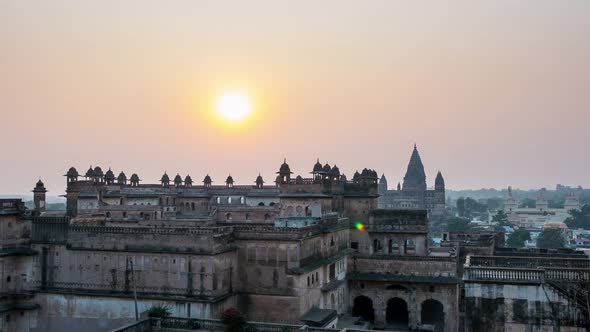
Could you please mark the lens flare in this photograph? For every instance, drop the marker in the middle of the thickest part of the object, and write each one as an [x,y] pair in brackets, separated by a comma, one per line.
[359,226]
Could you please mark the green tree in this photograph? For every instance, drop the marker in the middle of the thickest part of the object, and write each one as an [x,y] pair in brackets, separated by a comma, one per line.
[551,238]
[579,218]
[518,237]
[457,224]
[501,218]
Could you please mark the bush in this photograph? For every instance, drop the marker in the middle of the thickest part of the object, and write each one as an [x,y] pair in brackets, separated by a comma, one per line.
[159,311]
[233,320]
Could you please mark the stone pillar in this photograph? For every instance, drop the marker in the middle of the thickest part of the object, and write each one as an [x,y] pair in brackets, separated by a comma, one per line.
[379,308]
[413,310]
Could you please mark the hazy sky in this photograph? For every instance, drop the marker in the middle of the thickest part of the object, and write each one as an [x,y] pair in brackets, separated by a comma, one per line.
[494,93]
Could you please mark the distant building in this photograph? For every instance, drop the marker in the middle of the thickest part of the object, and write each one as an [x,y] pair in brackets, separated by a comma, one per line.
[414,195]
[541,214]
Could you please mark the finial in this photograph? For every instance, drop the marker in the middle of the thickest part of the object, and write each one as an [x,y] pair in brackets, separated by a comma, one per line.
[285,160]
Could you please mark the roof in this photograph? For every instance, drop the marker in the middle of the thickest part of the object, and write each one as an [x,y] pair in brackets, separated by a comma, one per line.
[375,276]
[319,317]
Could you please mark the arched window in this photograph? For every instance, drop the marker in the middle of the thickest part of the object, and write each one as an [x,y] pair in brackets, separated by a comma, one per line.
[242,200]
[193,206]
[228,217]
[108,214]
[124,214]
[121,201]
[218,200]
[247,216]
[267,217]
[261,204]
[229,200]
[376,246]
[8,278]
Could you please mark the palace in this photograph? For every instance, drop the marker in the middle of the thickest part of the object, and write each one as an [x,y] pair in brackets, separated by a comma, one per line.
[316,251]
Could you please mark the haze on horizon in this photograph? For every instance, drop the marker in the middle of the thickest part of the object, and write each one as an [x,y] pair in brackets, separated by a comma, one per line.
[494,93]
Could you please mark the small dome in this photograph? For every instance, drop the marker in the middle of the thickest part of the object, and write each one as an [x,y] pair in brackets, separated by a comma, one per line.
[188,180]
[278,179]
[134,177]
[343,178]
[335,171]
[259,179]
[165,178]
[109,175]
[327,168]
[299,179]
[207,179]
[72,172]
[177,179]
[89,173]
[285,167]
[98,172]
[40,184]
[229,180]
[122,176]
[356,175]
[317,167]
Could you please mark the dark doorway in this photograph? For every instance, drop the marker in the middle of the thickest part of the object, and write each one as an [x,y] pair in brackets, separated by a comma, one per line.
[397,313]
[433,314]
[363,307]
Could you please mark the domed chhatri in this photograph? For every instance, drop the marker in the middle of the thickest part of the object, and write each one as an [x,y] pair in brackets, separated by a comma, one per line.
[89,173]
[207,181]
[177,180]
[122,178]
[134,180]
[317,167]
[229,181]
[188,181]
[72,174]
[165,180]
[109,176]
[259,181]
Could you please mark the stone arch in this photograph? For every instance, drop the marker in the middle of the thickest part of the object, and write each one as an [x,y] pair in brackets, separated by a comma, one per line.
[433,313]
[396,314]
[261,204]
[363,307]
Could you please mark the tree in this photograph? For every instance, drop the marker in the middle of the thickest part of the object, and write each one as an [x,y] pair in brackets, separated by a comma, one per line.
[501,218]
[551,238]
[579,219]
[518,237]
[457,224]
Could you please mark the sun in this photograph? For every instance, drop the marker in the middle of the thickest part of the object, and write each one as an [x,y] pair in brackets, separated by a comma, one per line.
[234,106]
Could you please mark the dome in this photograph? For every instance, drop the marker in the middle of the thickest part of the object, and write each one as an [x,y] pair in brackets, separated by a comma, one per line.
[188,180]
[109,175]
[259,179]
[343,178]
[299,179]
[40,184]
[122,177]
[278,179]
[165,178]
[229,180]
[98,172]
[134,177]
[207,179]
[327,168]
[317,167]
[285,167]
[177,179]
[356,175]
[89,172]
[72,173]
[335,171]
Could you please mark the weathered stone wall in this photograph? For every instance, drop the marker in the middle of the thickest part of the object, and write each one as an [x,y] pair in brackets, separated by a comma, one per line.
[74,312]
[516,307]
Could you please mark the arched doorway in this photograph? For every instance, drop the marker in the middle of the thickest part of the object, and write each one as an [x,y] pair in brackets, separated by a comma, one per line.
[363,307]
[433,314]
[396,314]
